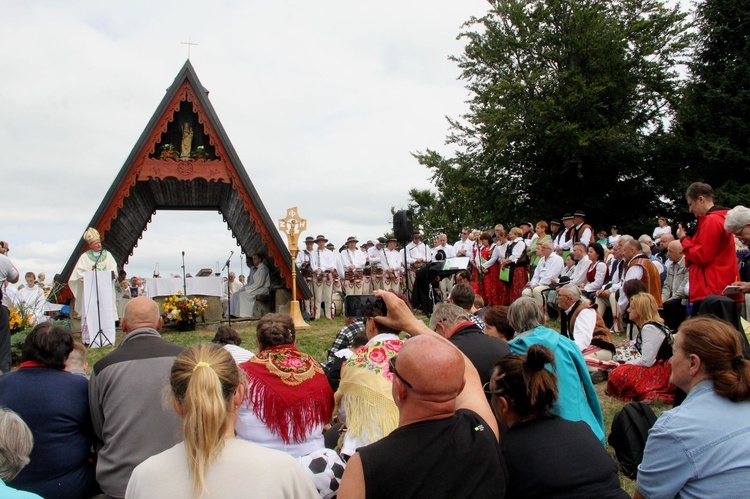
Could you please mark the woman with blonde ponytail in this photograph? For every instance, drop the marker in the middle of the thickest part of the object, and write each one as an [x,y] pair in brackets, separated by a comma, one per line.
[700,449]
[207,389]
[547,456]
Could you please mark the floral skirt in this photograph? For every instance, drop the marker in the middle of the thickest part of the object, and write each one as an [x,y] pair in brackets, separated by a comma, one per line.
[630,382]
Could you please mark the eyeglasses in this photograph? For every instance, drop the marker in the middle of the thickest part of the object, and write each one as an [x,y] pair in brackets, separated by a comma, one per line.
[494,393]
[392,367]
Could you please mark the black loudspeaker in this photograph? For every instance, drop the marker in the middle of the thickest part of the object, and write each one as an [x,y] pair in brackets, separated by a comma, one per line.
[403,227]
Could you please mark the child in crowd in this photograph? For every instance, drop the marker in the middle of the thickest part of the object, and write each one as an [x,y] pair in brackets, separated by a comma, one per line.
[76,362]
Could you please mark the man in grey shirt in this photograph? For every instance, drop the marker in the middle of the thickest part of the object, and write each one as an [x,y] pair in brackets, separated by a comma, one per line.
[130,419]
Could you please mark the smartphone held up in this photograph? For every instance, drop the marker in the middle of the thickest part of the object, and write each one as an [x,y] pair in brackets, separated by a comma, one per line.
[364,306]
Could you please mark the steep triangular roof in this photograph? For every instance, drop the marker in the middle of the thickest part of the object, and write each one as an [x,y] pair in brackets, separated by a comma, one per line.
[213,178]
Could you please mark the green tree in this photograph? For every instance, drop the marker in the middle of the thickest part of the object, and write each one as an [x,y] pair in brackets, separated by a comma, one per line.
[568,110]
[712,119]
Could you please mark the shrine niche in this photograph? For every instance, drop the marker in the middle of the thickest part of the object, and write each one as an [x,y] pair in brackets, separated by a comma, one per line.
[185,161]
[185,138]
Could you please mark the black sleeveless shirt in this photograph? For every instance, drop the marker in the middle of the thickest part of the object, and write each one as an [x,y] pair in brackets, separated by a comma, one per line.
[454,457]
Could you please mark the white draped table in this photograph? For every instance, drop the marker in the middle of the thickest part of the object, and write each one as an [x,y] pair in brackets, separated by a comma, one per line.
[203,286]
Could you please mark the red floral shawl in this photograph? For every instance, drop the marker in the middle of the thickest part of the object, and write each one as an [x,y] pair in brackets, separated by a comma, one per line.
[289,392]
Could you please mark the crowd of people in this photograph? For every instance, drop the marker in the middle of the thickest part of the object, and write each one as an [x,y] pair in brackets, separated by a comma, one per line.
[484,401]
[533,260]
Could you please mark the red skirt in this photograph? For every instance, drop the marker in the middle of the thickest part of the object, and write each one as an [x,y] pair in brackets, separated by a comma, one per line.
[490,286]
[629,382]
[515,287]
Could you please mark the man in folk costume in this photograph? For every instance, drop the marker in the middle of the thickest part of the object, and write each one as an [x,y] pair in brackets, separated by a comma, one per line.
[607,296]
[418,254]
[582,232]
[554,230]
[448,251]
[323,262]
[375,255]
[304,267]
[564,243]
[367,270]
[528,233]
[351,263]
[96,258]
[393,267]
[638,266]
[364,396]
[580,322]
[335,272]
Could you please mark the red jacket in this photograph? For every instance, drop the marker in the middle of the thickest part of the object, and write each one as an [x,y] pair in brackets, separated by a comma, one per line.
[711,257]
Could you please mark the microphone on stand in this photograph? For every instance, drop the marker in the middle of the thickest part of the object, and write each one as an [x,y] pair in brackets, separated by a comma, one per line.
[230,257]
[184,282]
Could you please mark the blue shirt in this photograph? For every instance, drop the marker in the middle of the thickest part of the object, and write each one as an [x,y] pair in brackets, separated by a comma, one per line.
[9,493]
[699,449]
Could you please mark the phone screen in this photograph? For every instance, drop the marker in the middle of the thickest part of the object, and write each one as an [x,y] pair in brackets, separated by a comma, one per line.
[364,306]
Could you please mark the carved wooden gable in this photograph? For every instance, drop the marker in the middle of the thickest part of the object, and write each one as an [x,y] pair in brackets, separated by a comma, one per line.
[185,161]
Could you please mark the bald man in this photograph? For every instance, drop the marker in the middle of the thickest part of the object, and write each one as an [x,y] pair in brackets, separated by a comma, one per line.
[130,421]
[446,443]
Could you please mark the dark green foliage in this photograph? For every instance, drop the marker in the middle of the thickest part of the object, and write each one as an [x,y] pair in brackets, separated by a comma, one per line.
[713,124]
[569,101]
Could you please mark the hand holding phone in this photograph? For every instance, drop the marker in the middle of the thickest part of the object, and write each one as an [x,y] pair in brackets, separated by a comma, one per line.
[364,306]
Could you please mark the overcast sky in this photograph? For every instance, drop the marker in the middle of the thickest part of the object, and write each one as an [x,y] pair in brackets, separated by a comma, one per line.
[323,101]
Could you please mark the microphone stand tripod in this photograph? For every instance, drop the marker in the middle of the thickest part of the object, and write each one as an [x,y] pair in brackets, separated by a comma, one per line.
[229,292]
[184,282]
[100,333]
[407,288]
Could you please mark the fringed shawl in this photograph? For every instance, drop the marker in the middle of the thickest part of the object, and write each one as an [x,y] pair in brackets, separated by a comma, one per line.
[288,391]
[365,388]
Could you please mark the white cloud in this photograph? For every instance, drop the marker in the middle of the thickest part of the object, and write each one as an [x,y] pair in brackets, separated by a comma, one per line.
[323,101]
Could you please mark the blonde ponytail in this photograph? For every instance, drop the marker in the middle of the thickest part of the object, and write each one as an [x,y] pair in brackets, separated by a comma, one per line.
[204,379]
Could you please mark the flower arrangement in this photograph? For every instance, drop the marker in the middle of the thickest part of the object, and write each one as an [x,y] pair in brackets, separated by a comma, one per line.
[200,153]
[168,152]
[21,318]
[179,307]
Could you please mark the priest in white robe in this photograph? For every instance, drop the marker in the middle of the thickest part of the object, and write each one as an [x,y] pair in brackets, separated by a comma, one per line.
[96,258]
[260,285]
[31,298]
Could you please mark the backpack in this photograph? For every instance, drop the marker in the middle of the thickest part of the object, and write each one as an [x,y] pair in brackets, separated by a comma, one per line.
[628,435]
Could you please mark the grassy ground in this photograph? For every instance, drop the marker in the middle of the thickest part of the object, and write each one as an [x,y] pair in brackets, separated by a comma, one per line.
[317,339]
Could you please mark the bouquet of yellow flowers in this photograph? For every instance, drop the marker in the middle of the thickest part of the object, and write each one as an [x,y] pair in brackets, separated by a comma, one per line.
[20,319]
[183,308]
